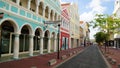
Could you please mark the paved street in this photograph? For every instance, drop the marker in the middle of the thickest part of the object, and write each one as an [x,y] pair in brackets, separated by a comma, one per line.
[89,58]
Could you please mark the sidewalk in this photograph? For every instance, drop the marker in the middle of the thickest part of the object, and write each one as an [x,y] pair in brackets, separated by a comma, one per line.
[40,61]
[114,54]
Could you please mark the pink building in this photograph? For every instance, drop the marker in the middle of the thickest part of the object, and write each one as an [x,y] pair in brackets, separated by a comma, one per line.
[65,33]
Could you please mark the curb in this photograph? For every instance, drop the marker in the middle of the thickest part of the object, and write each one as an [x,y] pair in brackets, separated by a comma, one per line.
[109,66]
[69,58]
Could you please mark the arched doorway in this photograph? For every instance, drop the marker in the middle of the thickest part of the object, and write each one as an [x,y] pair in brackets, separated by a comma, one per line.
[37,41]
[7,37]
[24,39]
[46,38]
[53,42]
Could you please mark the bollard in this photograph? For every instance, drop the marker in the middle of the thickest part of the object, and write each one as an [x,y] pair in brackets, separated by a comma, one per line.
[52,62]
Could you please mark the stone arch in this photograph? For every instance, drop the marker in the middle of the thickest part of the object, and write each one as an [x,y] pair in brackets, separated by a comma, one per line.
[38,34]
[8,29]
[26,33]
[46,38]
[12,22]
[29,27]
[40,30]
[47,33]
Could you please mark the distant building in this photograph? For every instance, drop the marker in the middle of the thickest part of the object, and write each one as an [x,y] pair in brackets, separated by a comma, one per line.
[86,32]
[117,13]
[81,35]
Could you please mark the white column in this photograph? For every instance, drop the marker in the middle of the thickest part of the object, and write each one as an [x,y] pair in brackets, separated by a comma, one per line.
[43,11]
[41,45]
[55,45]
[29,2]
[18,1]
[16,47]
[114,43]
[31,45]
[70,42]
[37,5]
[53,16]
[49,14]
[57,17]
[49,44]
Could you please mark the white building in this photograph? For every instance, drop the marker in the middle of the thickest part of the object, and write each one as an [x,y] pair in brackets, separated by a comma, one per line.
[117,13]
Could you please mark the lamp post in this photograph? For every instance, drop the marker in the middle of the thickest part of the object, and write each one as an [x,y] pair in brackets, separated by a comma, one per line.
[58,23]
[58,41]
[0,43]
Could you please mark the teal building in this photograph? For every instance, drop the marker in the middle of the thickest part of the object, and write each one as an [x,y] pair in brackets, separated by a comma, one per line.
[22,29]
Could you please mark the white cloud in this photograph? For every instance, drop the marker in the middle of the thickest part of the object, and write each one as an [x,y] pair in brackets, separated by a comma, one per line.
[96,8]
[86,16]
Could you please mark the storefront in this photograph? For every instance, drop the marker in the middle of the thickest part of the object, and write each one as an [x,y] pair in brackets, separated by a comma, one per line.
[64,41]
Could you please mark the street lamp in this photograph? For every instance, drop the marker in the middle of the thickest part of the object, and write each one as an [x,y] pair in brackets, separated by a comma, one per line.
[58,23]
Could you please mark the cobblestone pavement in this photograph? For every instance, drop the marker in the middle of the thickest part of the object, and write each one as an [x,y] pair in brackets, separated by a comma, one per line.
[89,58]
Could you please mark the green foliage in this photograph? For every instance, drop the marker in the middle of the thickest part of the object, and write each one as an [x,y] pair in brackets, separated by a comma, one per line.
[106,23]
[100,37]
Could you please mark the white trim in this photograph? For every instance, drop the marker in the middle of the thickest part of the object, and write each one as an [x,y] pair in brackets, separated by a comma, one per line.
[29,27]
[48,33]
[15,25]
[25,52]
[36,51]
[38,27]
[3,55]
[64,31]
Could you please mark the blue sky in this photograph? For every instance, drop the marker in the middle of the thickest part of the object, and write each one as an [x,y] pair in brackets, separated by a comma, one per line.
[88,8]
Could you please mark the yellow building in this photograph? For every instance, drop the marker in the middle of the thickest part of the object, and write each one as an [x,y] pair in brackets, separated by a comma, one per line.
[74,25]
[81,34]
[86,32]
